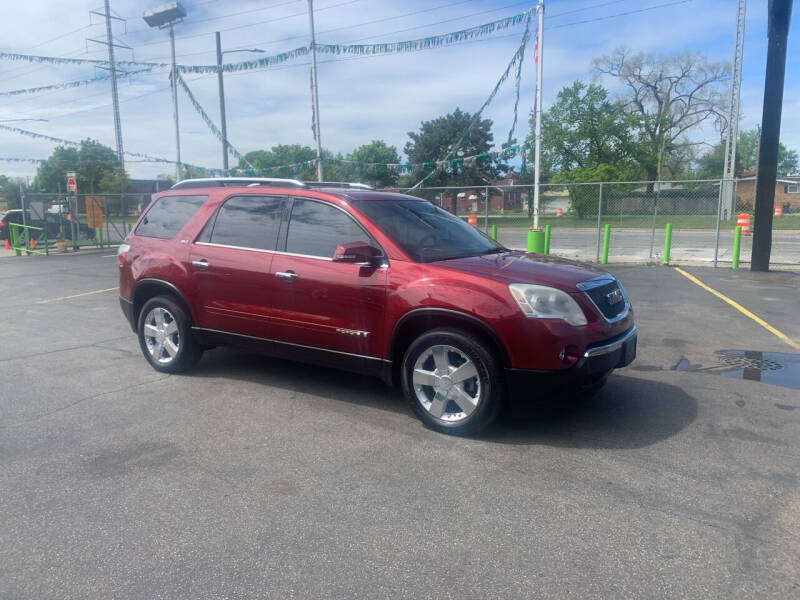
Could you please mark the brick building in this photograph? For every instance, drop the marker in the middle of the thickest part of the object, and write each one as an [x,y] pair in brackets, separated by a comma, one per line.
[787,191]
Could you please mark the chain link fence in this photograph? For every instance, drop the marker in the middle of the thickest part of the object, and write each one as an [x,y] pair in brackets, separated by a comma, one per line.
[87,219]
[703,215]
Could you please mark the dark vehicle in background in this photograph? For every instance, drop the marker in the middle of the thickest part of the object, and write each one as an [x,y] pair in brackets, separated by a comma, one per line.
[372,282]
[55,224]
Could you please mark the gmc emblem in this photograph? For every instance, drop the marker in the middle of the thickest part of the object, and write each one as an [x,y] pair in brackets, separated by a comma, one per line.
[614,297]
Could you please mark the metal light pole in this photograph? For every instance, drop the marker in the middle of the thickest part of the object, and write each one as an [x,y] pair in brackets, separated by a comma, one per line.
[538,131]
[167,16]
[222,118]
[315,90]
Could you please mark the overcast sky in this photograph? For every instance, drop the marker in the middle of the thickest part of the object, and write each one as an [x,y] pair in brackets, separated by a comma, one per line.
[361,99]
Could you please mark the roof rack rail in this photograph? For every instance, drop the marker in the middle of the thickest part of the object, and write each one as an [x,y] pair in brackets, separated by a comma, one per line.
[237,181]
[338,184]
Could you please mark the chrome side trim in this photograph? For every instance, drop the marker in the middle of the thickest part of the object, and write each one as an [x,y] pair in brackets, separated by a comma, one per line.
[613,346]
[233,247]
[279,342]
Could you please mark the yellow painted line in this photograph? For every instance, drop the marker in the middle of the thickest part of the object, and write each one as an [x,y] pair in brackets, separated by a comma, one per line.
[77,295]
[776,332]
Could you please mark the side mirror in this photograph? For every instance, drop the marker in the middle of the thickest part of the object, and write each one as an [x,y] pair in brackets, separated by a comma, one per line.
[359,253]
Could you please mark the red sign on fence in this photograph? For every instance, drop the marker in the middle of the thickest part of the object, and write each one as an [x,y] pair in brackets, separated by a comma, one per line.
[72,183]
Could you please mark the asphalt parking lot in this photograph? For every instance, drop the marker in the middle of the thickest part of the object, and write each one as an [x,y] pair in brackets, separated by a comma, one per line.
[253,477]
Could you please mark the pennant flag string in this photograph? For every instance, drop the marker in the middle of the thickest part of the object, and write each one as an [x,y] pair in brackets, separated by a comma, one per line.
[73,144]
[209,122]
[71,84]
[514,60]
[426,43]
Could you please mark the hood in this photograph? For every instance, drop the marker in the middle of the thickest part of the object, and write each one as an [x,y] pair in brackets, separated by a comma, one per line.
[520,267]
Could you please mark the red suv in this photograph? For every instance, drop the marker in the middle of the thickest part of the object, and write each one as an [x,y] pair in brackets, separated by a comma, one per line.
[372,282]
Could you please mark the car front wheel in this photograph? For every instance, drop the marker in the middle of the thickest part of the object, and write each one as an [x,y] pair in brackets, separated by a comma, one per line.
[452,382]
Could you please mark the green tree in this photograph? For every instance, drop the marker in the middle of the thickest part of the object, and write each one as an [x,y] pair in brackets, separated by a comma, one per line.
[97,167]
[667,97]
[377,151]
[584,199]
[283,155]
[438,137]
[584,129]
[711,164]
[9,190]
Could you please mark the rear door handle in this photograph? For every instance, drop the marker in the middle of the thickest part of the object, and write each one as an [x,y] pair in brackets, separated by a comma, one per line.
[287,275]
[201,264]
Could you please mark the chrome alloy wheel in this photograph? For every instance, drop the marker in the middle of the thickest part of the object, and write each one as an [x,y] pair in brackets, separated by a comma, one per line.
[446,383]
[161,335]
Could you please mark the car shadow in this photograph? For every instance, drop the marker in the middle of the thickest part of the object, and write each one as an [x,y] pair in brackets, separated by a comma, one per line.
[628,412]
[234,363]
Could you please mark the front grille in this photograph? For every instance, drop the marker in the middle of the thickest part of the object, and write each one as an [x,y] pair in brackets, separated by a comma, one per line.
[609,299]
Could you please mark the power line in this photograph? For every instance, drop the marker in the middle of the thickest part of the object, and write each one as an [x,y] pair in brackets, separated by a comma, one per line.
[227,16]
[622,14]
[300,14]
[302,36]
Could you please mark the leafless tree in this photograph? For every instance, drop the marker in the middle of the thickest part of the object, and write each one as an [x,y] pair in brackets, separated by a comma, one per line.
[667,96]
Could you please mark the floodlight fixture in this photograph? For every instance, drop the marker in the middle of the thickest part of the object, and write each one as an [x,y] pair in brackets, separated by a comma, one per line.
[164,15]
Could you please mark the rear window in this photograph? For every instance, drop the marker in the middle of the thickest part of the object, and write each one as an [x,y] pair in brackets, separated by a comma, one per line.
[169,215]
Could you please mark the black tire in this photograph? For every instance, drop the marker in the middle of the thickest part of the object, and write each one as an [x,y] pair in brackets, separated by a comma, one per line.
[486,384]
[188,352]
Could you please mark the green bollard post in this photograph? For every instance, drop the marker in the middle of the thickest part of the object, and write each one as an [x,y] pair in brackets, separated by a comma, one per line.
[129,227]
[737,242]
[494,231]
[535,241]
[547,239]
[606,240]
[99,231]
[667,242]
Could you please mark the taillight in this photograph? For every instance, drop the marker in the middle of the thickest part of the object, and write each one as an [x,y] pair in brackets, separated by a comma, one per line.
[2,223]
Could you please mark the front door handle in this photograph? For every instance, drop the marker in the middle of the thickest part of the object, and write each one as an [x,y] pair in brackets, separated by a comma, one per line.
[287,275]
[201,264]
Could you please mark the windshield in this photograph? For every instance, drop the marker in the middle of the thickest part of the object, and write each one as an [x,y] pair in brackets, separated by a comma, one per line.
[426,232]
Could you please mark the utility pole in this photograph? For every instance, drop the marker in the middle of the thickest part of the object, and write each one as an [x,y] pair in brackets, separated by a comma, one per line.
[779,15]
[731,141]
[174,86]
[538,131]
[315,90]
[223,119]
[223,122]
[114,95]
[112,69]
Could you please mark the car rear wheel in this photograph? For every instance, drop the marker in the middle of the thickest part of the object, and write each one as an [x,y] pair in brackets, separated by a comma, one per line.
[165,336]
[452,382]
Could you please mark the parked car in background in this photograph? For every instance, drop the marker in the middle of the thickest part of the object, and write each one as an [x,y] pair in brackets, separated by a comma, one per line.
[55,223]
[373,282]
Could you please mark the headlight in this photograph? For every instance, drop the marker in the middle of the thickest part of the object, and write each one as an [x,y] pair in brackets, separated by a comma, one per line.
[545,302]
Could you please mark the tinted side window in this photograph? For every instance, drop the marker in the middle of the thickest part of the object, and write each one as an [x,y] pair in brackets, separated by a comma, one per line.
[168,216]
[316,229]
[248,222]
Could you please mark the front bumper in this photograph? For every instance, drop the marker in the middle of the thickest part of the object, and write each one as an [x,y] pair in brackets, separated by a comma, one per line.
[597,361]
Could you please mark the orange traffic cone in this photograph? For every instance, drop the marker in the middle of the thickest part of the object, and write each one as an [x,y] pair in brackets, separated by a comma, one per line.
[8,246]
[33,243]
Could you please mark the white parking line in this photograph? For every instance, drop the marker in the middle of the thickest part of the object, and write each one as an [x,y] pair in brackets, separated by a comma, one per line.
[77,295]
